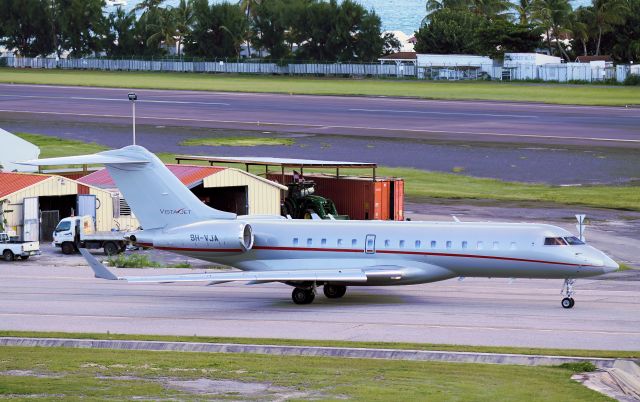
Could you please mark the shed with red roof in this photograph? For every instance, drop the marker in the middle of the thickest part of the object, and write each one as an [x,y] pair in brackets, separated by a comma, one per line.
[33,204]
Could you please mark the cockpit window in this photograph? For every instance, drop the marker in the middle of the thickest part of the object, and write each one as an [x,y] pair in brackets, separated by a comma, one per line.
[554,241]
[573,241]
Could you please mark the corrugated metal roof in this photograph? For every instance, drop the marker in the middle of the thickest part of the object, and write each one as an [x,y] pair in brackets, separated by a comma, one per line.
[189,175]
[12,182]
[259,160]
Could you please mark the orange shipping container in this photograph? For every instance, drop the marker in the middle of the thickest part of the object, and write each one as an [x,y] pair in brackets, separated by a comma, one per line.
[358,197]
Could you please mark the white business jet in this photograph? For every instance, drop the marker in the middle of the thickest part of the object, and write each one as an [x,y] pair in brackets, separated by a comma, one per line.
[333,254]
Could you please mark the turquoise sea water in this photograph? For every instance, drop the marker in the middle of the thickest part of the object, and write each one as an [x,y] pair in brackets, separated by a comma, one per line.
[397,15]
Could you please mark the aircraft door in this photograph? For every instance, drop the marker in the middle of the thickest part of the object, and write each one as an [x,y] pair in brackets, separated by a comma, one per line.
[370,244]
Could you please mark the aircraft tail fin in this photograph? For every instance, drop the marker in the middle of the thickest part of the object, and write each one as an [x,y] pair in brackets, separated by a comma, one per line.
[156,196]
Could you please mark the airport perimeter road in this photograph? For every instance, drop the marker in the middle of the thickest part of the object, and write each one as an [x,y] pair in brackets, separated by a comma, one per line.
[368,116]
[473,311]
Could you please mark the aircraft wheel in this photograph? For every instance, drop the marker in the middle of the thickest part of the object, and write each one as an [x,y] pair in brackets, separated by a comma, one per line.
[567,302]
[334,291]
[302,296]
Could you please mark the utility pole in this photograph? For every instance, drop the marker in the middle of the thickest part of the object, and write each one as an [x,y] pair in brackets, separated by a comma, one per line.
[133,98]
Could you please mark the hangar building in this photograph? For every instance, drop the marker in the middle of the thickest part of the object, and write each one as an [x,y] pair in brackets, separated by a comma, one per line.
[223,188]
[33,204]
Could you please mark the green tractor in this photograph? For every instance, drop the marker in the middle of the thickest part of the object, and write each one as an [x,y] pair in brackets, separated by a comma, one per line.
[301,203]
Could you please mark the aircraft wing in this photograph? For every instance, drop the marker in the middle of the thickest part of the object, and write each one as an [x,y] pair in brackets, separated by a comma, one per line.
[334,275]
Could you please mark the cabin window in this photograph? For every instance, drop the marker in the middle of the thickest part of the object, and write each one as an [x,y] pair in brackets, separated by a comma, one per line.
[512,246]
[554,241]
[496,245]
[295,241]
[480,245]
[339,242]
[401,243]
[387,243]
[574,241]
[354,242]
[418,243]
[464,244]
[433,244]
[309,241]
[323,242]
[448,243]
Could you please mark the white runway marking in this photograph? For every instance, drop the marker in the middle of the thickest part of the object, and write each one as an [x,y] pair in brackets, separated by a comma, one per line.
[522,116]
[116,100]
[321,126]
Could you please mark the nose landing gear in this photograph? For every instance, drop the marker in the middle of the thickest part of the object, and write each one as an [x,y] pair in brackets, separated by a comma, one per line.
[567,292]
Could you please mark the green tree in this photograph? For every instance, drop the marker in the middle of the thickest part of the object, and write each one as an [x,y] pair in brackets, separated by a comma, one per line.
[451,31]
[218,30]
[625,39]
[183,20]
[27,27]
[607,14]
[523,11]
[82,26]
[553,16]
[162,30]
[124,38]
[269,25]
[502,36]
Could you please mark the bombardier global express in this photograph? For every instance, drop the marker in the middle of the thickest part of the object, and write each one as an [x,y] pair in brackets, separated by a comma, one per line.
[334,254]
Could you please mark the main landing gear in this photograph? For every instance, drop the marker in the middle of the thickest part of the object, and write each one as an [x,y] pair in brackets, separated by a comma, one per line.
[308,294]
[567,292]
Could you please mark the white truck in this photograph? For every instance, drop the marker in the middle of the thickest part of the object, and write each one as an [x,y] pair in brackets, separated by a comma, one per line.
[77,232]
[12,249]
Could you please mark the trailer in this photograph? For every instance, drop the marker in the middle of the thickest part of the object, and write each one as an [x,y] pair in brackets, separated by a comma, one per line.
[77,232]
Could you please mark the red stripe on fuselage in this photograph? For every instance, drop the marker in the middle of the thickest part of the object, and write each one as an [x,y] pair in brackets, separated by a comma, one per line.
[338,250]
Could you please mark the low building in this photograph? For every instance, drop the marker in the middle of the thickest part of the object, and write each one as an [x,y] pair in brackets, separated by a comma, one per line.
[454,66]
[33,204]
[526,66]
[14,149]
[226,189]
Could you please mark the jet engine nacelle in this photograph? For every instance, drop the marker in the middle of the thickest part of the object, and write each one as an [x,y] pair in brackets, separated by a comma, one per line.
[224,237]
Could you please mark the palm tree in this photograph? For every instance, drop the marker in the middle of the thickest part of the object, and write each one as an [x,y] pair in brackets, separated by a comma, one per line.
[607,14]
[249,9]
[554,17]
[490,9]
[164,28]
[183,16]
[523,8]
[146,5]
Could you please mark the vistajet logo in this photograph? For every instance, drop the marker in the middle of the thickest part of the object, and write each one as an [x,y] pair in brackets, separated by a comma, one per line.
[181,211]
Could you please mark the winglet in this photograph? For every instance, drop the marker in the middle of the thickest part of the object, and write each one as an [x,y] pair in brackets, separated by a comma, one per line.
[99,270]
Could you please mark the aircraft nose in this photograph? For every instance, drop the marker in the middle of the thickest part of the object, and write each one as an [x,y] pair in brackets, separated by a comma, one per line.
[610,265]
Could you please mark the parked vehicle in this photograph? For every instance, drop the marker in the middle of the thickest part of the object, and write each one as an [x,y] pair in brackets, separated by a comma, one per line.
[12,249]
[301,203]
[77,232]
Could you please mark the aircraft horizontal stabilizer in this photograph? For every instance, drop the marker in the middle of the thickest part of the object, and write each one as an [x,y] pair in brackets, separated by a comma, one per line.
[99,158]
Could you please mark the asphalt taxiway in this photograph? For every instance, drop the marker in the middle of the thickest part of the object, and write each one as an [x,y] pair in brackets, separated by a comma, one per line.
[361,116]
[60,294]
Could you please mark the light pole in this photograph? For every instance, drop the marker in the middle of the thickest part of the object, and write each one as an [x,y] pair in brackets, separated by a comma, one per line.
[133,98]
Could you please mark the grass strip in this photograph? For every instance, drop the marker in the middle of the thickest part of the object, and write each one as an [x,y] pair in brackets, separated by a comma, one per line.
[67,373]
[468,90]
[421,184]
[236,141]
[349,344]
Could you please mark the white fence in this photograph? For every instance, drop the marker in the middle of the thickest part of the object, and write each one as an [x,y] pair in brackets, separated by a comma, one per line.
[564,72]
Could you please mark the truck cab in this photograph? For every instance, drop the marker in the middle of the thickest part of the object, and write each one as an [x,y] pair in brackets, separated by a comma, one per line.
[77,232]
